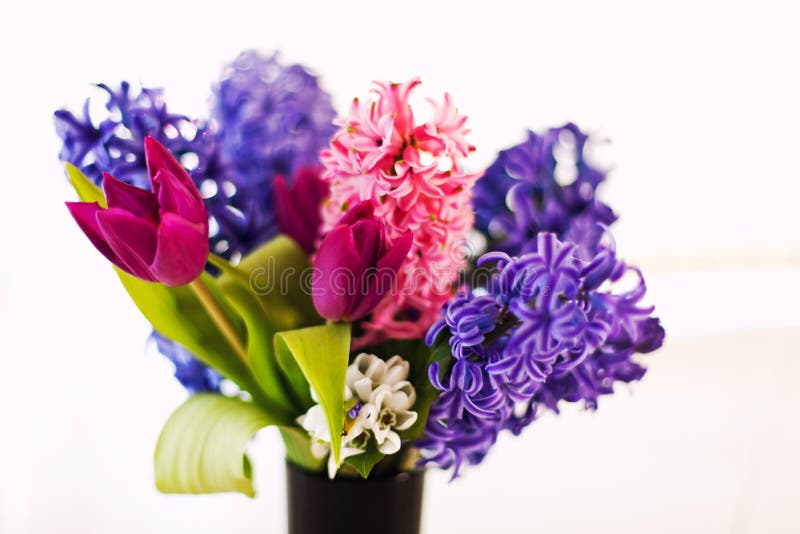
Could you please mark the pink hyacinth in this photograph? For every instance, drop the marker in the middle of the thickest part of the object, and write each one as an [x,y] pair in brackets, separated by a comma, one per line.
[414,176]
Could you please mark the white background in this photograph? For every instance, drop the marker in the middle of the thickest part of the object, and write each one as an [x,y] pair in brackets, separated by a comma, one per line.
[700,101]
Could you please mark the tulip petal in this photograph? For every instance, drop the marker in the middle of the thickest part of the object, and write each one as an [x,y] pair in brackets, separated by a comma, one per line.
[298,208]
[85,214]
[367,234]
[292,218]
[382,278]
[182,250]
[159,158]
[132,238]
[362,210]
[312,190]
[283,197]
[396,255]
[336,273]
[175,197]
[137,201]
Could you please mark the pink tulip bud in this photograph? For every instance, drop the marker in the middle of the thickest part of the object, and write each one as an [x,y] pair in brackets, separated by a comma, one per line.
[355,267]
[298,208]
[158,236]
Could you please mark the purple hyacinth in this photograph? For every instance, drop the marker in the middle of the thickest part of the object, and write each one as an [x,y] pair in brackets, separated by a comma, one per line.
[543,332]
[270,120]
[116,143]
[194,375]
[544,184]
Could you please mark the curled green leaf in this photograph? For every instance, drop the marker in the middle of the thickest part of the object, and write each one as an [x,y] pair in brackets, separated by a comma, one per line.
[202,446]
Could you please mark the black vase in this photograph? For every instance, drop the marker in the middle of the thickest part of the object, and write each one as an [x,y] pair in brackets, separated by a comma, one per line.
[390,504]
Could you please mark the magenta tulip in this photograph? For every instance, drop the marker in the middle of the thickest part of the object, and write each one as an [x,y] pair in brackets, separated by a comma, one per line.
[355,267]
[298,208]
[158,236]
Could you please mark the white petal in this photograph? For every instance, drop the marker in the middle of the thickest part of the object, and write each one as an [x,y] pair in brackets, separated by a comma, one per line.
[320,449]
[405,420]
[332,467]
[315,423]
[391,445]
[378,396]
[408,390]
[353,375]
[346,452]
[351,451]
[397,370]
[363,388]
[398,402]
[368,416]
[356,430]
[376,370]
[381,433]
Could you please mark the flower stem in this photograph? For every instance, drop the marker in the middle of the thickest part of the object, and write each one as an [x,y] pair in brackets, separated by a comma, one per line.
[218,316]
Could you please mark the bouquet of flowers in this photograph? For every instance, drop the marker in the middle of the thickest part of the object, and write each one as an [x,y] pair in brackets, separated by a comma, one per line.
[347,279]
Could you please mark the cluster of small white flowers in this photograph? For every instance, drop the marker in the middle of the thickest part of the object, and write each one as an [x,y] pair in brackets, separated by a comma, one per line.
[381,399]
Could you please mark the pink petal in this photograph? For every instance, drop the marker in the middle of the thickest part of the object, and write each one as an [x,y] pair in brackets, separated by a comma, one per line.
[85,214]
[132,238]
[182,250]
[137,201]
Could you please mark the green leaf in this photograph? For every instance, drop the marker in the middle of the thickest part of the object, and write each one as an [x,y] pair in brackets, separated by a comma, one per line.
[426,393]
[419,358]
[279,273]
[87,191]
[298,449]
[364,462]
[178,314]
[260,332]
[295,378]
[202,446]
[322,354]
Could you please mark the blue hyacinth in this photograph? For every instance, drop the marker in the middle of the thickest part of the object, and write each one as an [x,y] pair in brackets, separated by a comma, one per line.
[267,119]
[539,332]
[544,184]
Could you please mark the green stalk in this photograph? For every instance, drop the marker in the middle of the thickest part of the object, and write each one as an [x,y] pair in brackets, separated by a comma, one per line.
[219,317]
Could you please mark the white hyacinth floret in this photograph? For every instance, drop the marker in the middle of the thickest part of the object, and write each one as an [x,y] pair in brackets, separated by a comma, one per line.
[378,401]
